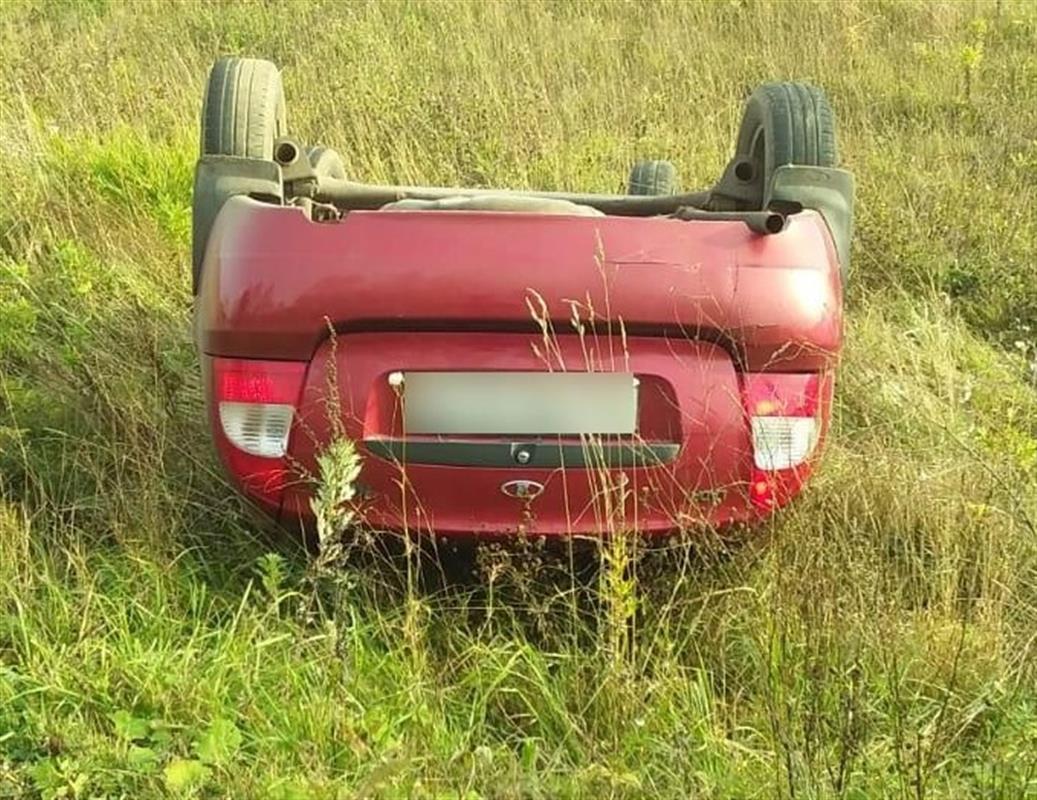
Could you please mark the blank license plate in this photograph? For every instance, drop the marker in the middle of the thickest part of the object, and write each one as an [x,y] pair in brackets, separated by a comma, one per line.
[520,403]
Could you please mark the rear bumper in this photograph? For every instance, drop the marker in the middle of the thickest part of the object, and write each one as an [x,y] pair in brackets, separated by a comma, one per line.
[273,281]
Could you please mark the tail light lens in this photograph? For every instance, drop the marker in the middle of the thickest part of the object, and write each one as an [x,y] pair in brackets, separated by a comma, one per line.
[786,419]
[260,429]
[254,403]
[783,442]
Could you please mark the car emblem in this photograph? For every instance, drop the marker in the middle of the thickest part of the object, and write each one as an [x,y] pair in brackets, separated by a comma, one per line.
[523,490]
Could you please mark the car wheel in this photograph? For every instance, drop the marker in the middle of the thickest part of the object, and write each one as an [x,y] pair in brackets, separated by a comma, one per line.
[243,111]
[651,177]
[784,123]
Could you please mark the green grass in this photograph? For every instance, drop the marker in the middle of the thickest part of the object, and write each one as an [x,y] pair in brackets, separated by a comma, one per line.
[156,640]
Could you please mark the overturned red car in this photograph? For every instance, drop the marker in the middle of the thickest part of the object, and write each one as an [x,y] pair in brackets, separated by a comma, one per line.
[507,362]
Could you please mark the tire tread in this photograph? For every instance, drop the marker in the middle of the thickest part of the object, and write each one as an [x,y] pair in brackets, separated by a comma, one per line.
[243,108]
[653,177]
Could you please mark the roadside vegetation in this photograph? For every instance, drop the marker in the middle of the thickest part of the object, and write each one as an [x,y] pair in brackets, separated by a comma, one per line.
[878,640]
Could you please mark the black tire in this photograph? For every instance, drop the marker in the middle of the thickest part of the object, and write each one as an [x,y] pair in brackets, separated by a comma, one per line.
[243,111]
[650,177]
[786,123]
[326,162]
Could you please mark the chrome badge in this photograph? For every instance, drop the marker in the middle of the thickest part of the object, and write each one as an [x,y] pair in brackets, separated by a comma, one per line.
[523,490]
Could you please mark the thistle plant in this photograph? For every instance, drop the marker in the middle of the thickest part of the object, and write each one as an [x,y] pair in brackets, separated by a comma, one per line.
[338,467]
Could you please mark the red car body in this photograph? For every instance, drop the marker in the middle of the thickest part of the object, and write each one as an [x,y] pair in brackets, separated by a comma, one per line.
[721,327]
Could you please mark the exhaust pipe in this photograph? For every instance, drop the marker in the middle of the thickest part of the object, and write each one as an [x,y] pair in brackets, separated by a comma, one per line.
[764,223]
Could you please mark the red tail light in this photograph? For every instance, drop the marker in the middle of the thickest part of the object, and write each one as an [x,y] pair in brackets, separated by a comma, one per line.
[254,403]
[787,417]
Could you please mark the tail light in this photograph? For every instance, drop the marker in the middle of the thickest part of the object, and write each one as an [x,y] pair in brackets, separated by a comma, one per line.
[254,403]
[786,419]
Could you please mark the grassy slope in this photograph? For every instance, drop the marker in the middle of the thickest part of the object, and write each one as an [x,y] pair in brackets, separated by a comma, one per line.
[881,644]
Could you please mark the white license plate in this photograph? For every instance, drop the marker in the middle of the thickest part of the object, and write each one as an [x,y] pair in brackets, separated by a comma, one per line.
[567,403]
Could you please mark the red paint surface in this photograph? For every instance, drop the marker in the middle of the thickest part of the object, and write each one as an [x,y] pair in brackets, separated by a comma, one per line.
[701,304]
[272,279]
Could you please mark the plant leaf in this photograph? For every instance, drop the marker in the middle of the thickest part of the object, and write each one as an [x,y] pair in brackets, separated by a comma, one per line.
[219,743]
[183,775]
[141,758]
[128,727]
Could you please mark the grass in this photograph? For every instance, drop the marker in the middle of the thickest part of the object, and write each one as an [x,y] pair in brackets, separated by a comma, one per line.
[156,640]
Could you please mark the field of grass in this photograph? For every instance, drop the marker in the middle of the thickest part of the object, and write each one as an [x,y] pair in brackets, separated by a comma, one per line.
[879,640]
